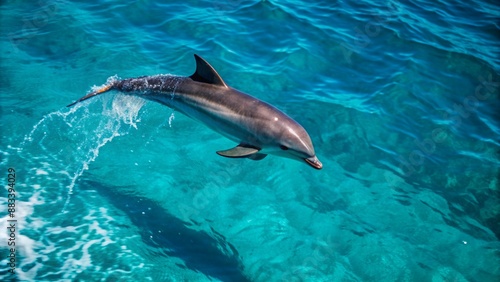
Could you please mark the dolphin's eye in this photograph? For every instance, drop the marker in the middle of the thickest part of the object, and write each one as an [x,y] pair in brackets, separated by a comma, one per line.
[284,148]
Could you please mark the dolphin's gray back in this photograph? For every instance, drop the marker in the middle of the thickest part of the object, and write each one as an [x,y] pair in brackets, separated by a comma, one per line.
[236,115]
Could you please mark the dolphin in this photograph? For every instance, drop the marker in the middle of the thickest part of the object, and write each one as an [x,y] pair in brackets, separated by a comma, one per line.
[258,128]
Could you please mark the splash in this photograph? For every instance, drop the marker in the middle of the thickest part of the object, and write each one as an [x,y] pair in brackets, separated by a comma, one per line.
[70,140]
[171,119]
[51,158]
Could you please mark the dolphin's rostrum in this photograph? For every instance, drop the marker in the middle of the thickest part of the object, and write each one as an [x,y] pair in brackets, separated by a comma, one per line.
[258,127]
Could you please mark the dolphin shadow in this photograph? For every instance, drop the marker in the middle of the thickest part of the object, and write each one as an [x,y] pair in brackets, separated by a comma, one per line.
[200,251]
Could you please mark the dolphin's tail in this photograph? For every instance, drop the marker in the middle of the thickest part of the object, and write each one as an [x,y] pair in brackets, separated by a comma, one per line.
[101,90]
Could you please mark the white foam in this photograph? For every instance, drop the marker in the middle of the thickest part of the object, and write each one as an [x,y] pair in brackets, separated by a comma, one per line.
[41,172]
[24,245]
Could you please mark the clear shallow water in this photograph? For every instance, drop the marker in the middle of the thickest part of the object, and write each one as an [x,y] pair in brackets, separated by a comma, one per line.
[401,100]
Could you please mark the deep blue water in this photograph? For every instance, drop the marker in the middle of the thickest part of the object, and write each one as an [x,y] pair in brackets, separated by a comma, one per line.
[401,100]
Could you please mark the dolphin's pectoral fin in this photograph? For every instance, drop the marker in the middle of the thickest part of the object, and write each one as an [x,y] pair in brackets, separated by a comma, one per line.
[257,157]
[240,151]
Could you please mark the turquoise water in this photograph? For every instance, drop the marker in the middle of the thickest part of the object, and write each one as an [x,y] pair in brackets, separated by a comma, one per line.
[400,98]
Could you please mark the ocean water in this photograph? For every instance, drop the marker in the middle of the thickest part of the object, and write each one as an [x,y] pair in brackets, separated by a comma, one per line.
[401,100]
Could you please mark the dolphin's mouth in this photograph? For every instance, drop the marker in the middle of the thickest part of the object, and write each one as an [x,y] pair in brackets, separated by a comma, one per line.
[314,162]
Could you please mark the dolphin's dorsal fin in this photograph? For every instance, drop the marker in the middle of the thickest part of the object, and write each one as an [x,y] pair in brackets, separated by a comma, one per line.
[206,73]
